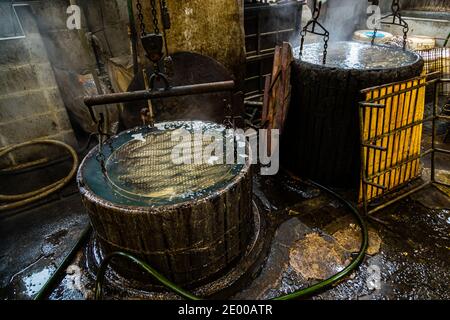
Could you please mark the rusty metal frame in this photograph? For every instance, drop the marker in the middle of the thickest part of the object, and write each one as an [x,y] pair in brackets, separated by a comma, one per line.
[258,55]
[367,179]
[152,93]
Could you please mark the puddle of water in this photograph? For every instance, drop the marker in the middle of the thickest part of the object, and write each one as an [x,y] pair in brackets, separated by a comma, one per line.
[35,281]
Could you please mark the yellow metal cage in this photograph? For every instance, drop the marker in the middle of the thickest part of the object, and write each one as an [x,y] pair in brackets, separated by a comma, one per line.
[391,121]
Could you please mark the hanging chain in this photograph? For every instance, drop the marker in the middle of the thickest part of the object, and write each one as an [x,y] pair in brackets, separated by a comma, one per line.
[228,121]
[140,17]
[302,40]
[374,35]
[155,16]
[326,37]
[100,156]
[405,35]
[147,115]
[165,17]
[166,23]
[315,23]
[395,8]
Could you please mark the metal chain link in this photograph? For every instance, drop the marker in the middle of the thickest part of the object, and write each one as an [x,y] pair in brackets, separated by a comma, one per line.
[395,7]
[165,16]
[325,47]
[155,16]
[302,40]
[374,35]
[228,121]
[140,17]
[100,157]
[314,22]
[405,35]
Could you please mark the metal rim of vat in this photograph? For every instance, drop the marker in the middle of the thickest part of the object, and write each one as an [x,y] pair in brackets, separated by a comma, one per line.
[223,287]
[88,193]
[417,58]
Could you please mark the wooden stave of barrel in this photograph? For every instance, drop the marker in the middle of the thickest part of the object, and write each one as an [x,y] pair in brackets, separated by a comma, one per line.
[191,243]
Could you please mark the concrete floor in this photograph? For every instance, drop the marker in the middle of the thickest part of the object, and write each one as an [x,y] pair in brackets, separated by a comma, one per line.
[310,237]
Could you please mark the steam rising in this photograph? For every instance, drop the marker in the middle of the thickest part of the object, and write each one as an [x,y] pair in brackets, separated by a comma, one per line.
[343,17]
[340,17]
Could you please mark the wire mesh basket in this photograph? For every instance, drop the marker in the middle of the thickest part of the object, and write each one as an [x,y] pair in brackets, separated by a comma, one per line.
[438,60]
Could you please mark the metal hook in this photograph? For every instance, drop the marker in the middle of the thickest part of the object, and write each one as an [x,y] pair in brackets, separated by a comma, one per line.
[317,9]
[157,76]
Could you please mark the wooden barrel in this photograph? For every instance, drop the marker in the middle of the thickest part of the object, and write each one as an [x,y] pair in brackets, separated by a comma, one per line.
[192,222]
[321,137]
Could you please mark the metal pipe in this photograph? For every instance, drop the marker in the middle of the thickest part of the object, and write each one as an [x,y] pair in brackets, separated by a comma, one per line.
[399,92]
[363,173]
[253,103]
[439,150]
[435,73]
[376,185]
[372,105]
[441,117]
[400,164]
[394,131]
[379,148]
[406,194]
[159,93]
[433,132]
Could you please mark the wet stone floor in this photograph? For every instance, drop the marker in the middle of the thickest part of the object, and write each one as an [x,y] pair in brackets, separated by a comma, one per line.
[310,236]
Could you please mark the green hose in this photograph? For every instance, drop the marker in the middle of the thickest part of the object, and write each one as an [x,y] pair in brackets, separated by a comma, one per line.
[144,266]
[60,271]
[46,289]
[297,294]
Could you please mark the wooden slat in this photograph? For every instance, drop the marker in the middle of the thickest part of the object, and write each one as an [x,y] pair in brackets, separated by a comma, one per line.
[277,91]
[277,94]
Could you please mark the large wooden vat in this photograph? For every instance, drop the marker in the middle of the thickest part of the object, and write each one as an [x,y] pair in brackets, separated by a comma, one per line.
[321,137]
[191,222]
